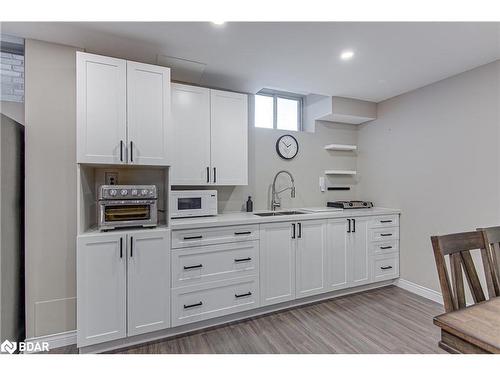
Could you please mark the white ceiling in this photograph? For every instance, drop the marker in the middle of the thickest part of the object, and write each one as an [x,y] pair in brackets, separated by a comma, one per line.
[390,58]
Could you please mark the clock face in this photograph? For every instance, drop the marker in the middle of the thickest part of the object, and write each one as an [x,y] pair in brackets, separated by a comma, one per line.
[287,147]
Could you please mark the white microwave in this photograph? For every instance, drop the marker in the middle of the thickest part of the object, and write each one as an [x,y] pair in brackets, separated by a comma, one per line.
[190,203]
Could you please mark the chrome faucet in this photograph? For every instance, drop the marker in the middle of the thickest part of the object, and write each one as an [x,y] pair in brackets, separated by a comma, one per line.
[275,201]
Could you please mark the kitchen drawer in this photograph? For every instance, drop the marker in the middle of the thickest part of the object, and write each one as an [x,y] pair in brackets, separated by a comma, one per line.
[196,265]
[383,234]
[193,304]
[385,267]
[384,247]
[385,221]
[211,236]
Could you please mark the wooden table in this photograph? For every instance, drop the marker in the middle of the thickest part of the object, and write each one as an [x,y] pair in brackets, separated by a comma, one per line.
[475,329]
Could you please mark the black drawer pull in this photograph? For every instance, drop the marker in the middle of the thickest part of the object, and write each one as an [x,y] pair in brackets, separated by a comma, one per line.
[193,267]
[242,260]
[385,247]
[385,234]
[386,267]
[193,305]
[386,221]
[193,238]
[241,233]
[243,295]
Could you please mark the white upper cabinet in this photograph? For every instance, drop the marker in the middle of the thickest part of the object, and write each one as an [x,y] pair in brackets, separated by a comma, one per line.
[210,134]
[148,113]
[123,111]
[101,98]
[148,281]
[229,137]
[191,135]
[311,262]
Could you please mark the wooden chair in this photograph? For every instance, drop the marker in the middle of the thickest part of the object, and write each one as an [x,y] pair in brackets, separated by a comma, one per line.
[491,258]
[458,247]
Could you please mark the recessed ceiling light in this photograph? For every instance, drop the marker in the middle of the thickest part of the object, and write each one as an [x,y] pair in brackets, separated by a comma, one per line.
[218,23]
[347,55]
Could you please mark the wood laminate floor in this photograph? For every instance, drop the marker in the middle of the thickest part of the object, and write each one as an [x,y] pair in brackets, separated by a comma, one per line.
[385,320]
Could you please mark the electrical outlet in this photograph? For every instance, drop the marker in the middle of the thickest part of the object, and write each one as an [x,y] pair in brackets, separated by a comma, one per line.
[111,178]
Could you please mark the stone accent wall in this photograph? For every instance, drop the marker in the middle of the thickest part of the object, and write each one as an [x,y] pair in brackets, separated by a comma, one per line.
[12,77]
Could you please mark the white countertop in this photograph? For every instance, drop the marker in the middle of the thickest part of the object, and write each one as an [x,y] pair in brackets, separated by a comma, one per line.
[245,218]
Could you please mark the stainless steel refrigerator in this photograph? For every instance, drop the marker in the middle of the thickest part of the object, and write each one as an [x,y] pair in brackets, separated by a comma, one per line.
[12,326]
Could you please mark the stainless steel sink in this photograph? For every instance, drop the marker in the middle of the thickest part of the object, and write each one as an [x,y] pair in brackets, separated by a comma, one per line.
[281,213]
[293,212]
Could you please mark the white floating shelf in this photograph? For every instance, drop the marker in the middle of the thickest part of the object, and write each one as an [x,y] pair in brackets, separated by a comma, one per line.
[340,172]
[338,147]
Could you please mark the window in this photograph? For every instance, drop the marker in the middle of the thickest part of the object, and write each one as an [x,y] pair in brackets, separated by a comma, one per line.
[277,110]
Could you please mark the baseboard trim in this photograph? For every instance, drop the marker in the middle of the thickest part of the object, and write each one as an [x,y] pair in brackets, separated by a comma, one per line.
[57,340]
[420,290]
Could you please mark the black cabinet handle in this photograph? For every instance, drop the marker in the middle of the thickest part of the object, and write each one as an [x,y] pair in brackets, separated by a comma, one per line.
[385,234]
[293,230]
[242,260]
[193,238]
[299,225]
[349,230]
[193,267]
[131,246]
[241,233]
[353,225]
[208,175]
[386,268]
[131,151]
[386,221]
[193,305]
[243,295]
[215,175]
[121,150]
[385,247]
[121,247]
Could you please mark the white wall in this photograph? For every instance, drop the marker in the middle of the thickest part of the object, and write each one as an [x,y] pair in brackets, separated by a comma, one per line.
[434,153]
[50,188]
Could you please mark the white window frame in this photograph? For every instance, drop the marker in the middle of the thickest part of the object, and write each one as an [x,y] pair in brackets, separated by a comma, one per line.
[283,95]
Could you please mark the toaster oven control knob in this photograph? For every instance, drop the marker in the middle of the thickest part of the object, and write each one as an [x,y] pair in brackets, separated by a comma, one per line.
[112,192]
[123,192]
[144,192]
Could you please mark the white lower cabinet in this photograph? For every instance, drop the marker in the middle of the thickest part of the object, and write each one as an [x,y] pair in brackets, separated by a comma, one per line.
[338,254]
[148,282]
[277,263]
[359,256]
[310,258]
[101,288]
[122,281]
[199,302]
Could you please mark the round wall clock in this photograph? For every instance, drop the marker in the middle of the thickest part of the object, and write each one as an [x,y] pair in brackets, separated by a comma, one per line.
[287,147]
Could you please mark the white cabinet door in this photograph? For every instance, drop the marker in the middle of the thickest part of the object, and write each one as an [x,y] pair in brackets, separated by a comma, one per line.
[101,288]
[359,255]
[277,263]
[338,252]
[191,135]
[148,114]
[148,281]
[311,265]
[229,137]
[101,98]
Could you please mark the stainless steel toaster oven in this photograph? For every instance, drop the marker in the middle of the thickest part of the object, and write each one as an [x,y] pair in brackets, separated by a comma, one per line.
[121,206]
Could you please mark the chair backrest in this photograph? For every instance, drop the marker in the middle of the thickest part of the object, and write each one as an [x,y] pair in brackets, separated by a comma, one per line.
[458,246]
[492,253]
